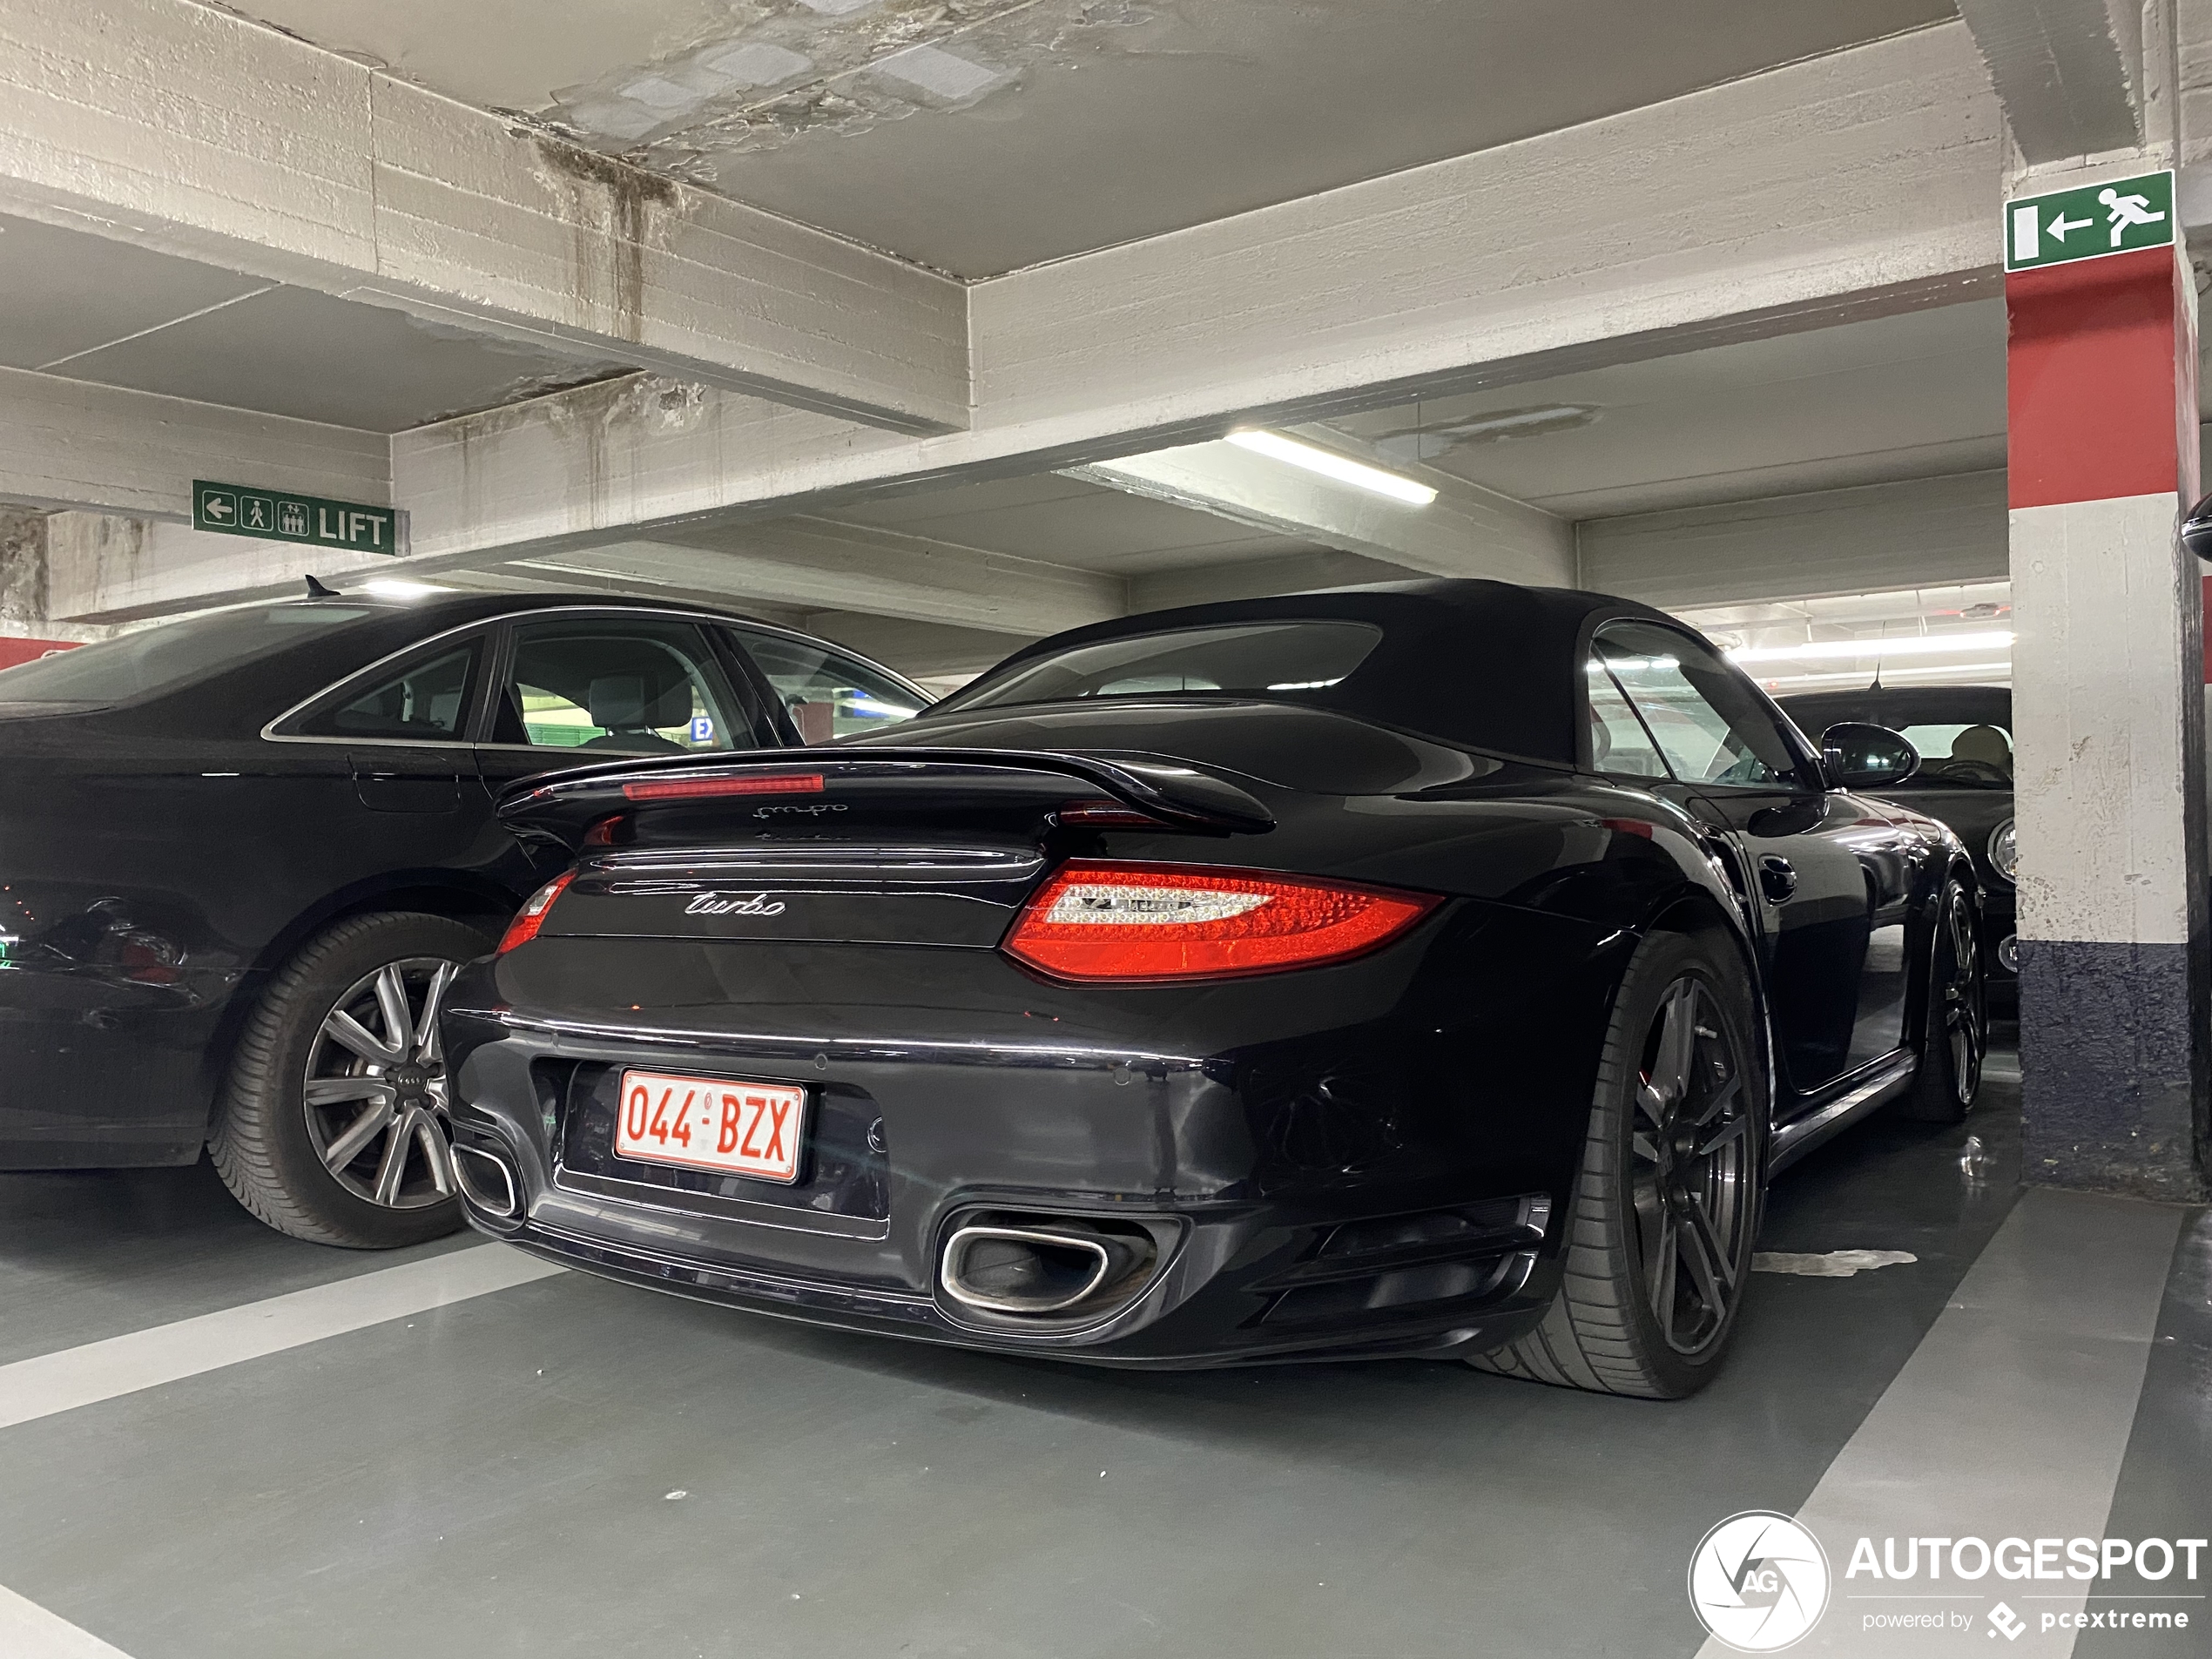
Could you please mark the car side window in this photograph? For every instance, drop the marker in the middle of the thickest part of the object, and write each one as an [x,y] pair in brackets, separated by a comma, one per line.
[1618,742]
[424,701]
[827,693]
[625,685]
[1706,719]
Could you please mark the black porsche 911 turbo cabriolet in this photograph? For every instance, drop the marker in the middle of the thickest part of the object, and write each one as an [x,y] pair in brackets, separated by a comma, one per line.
[1439,970]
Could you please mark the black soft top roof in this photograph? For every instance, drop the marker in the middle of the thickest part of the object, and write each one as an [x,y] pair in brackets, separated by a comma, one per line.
[1491,665]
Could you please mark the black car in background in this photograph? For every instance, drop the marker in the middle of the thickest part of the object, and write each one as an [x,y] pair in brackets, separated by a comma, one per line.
[1387,972]
[242,854]
[1964,734]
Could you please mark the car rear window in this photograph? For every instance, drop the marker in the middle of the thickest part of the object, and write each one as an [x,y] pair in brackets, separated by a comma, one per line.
[1244,659]
[159,660]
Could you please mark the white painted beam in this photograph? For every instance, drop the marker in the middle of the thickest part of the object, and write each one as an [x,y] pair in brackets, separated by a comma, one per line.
[1920,532]
[2068,73]
[69,444]
[107,567]
[1258,579]
[1853,185]
[917,649]
[1467,530]
[803,561]
[198,132]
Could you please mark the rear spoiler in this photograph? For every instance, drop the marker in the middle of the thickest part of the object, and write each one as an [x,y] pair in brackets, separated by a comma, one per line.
[563,805]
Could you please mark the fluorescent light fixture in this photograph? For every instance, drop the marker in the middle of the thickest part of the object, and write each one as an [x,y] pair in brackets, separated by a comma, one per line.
[393,587]
[875,708]
[1329,464]
[1895,645]
[1984,672]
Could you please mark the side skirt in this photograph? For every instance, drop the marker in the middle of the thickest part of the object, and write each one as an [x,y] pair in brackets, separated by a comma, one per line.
[1796,1138]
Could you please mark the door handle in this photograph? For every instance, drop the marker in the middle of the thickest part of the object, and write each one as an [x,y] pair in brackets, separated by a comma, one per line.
[1777,879]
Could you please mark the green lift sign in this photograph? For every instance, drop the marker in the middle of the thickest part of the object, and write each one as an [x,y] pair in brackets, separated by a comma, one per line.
[278,516]
[2095,220]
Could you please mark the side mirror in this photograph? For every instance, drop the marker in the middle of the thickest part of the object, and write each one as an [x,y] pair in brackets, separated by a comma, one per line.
[2197,530]
[1866,757]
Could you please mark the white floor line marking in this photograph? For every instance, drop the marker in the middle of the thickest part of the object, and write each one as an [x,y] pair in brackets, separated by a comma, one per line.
[2009,1421]
[27,1631]
[81,1376]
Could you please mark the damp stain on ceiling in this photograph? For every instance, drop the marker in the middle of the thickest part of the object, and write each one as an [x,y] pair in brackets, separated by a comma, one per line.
[984,136]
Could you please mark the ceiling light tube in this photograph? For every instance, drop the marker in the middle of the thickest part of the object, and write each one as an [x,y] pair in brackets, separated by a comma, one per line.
[1329,464]
[391,587]
[1982,672]
[1895,646]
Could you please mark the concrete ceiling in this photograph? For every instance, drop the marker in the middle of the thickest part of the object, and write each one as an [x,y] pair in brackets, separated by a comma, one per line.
[984,136]
[90,309]
[1066,520]
[1898,397]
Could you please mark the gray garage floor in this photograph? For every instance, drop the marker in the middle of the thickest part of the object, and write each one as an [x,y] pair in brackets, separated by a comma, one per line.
[440,1454]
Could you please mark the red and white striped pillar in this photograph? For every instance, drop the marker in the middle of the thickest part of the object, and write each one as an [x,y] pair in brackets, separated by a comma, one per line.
[2109,718]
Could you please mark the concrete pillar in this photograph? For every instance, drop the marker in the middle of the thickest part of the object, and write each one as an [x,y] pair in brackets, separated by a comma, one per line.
[22,569]
[2108,719]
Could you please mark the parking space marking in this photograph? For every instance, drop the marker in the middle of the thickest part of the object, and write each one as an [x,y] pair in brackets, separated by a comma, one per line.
[2010,1418]
[27,1631]
[164,1353]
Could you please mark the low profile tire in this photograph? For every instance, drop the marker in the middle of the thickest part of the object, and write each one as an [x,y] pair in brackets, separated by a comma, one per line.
[330,1125]
[1666,1205]
[1956,1035]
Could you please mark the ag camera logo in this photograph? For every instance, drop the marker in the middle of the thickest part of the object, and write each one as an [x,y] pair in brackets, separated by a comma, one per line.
[1758,1581]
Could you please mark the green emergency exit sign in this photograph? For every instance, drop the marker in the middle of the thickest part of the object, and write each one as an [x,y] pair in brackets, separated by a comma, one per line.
[279,515]
[2115,217]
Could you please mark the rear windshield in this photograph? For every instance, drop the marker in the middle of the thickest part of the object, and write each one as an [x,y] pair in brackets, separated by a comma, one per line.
[157,659]
[1247,659]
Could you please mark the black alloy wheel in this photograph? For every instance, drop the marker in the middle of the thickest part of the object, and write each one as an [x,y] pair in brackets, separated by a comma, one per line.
[332,1126]
[1691,1177]
[1955,1034]
[1660,1225]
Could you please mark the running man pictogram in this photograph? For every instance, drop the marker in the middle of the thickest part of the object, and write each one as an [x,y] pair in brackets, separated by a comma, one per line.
[2123,211]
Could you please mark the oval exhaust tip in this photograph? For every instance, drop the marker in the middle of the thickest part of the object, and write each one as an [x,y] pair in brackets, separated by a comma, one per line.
[468,1165]
[1024,1270]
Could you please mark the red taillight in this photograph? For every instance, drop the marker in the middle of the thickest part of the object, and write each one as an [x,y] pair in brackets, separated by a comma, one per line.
[1164,922]
[531,916]
[778,783]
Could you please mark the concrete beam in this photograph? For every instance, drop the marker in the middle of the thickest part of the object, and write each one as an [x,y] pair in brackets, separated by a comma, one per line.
[917,649]
[1920,532]
[108,567]
[2068,73]
[223,140]
[1467,530]
[71,444]
[1258,578]
[1854,185]
[820,566]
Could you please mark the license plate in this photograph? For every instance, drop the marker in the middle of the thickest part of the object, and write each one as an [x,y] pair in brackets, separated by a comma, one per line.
[719,1124]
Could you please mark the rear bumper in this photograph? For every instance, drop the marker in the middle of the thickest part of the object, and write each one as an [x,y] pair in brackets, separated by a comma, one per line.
[1361,1190]
[107,1069]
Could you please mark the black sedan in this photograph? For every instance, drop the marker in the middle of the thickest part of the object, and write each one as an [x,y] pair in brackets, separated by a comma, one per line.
[1964,735]
[1438,969]
[242,856]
